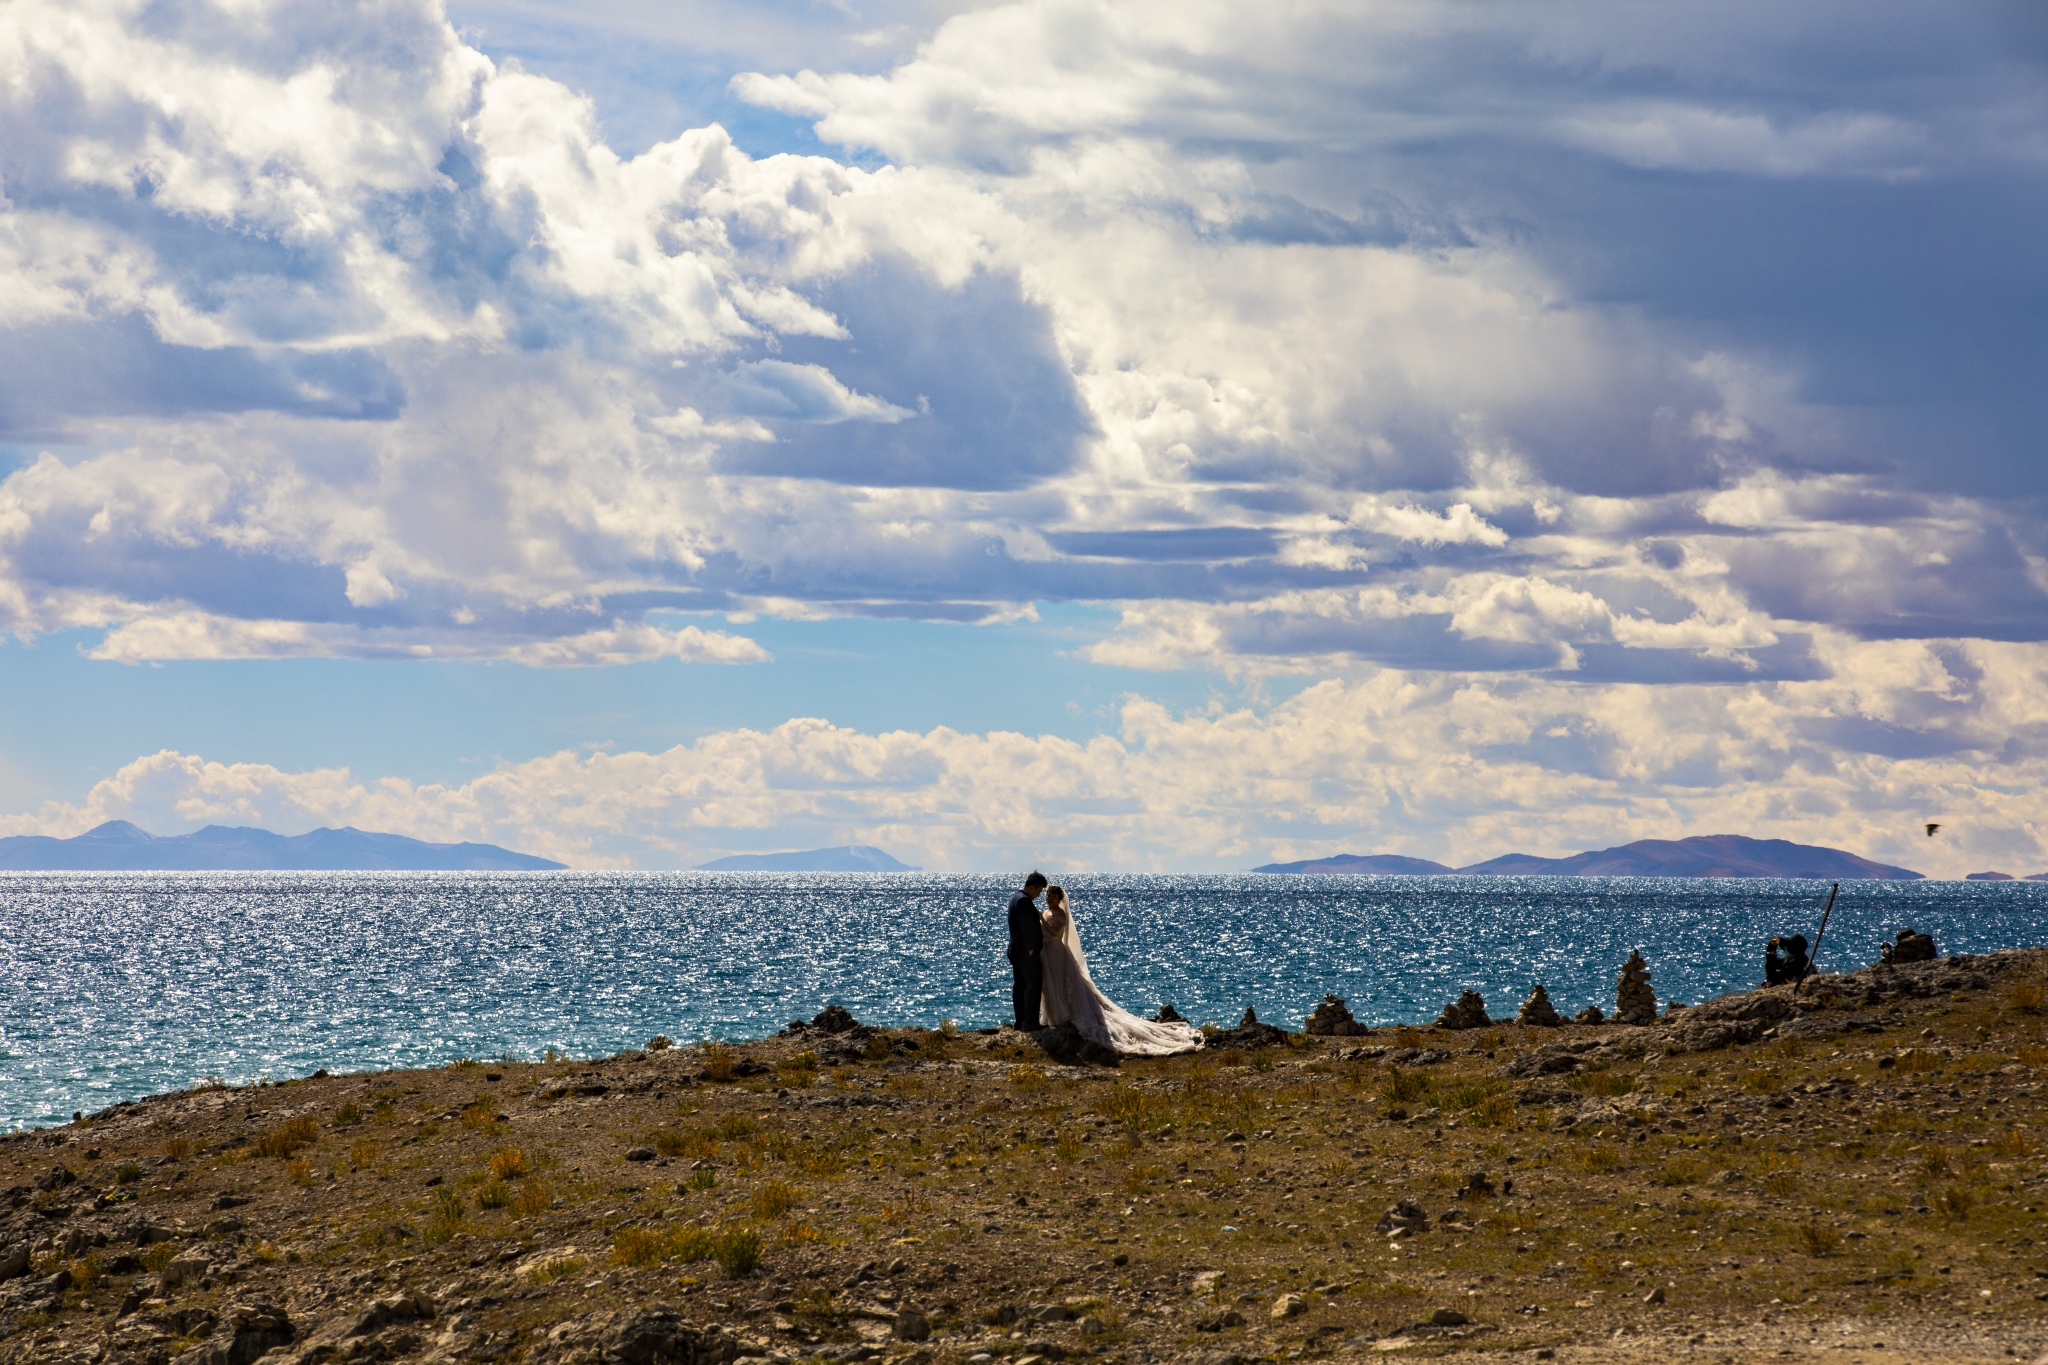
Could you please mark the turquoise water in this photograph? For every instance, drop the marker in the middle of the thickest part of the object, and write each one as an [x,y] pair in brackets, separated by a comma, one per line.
[114,985]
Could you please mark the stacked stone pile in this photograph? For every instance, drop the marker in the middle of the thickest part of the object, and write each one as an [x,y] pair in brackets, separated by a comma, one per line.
[1332,1020]
[1537,1011]
[1404,1219]
[1467,1011]
[1589,1015]
[1634,1001]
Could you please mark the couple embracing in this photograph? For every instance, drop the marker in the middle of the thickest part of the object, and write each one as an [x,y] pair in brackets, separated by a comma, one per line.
[1052,986]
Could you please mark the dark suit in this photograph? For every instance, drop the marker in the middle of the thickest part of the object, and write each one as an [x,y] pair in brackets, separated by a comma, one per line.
[1027,968]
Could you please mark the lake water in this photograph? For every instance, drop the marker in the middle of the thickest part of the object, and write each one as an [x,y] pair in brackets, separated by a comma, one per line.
[118,985]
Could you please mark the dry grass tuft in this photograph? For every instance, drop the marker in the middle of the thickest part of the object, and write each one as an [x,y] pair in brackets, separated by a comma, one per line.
[719,1063]
[1404,1087]
[1763,1080]
[2026,996]
[1599,1156]
[775,1199]
[288,1137]
[532,1200]
[508,1163]
[1029,1079]
[1818,1239]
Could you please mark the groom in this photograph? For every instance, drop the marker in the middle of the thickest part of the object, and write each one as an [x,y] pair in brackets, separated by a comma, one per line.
[1026,968]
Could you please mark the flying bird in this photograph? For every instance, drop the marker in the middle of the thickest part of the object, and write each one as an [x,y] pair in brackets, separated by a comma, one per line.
[1931,830]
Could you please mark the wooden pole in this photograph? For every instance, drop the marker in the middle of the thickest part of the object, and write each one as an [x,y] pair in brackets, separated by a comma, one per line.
[1813,953]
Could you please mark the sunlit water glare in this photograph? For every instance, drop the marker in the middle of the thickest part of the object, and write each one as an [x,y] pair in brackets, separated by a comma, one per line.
[114,986]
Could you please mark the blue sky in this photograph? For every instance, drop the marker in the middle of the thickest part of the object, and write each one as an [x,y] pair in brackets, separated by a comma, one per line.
[1146,435]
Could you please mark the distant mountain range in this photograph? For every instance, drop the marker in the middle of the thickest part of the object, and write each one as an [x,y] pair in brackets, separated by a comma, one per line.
[1381,864]
[1704,855]
[118,846]
[849,858]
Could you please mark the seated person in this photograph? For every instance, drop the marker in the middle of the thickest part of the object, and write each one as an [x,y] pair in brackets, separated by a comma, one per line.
[1795,957]
[1777,970]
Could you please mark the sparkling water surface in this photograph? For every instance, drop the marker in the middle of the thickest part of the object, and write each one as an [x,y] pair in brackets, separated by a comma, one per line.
[118,985]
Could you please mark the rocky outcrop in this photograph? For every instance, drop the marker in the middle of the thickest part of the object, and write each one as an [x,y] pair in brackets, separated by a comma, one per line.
[1589,1015]
[1332,1020]
[654,1336]
[1249,1033]
[1467,1011]
[1726,1022]
[1634,1000]
[1168,1015]
[1537,1011]
[242,1334]
[1064,1043]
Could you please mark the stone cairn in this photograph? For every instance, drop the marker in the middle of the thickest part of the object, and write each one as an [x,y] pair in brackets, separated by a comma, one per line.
[1537,1011]
[1589,1015]
[1332,1020]
[1467,1011]
[1404,1219]
[1168,1015]
[1634,1001]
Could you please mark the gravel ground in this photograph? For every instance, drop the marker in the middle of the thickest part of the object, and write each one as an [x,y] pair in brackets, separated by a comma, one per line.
[1857,1175]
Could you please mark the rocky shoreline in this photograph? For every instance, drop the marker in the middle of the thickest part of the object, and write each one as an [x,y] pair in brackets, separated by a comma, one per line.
[1856,1173]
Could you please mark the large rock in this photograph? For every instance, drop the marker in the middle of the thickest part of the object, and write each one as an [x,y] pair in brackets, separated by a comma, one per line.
[186,1265]
[381,1313]
[1332,1020]
[242,1334]
[831,1019]
[651,1336]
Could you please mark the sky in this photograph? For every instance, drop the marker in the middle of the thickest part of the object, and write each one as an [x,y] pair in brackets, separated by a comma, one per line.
[1136,436]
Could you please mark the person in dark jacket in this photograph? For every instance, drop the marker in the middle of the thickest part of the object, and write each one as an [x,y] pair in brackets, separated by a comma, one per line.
[1027,938]
[1784,960]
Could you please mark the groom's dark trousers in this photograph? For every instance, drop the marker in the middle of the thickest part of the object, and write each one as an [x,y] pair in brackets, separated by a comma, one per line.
[1027,968]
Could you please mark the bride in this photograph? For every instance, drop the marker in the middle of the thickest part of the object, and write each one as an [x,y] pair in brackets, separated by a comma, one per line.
[1071,998]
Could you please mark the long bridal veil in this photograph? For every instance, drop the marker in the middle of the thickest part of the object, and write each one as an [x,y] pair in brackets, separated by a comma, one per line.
[1071,996]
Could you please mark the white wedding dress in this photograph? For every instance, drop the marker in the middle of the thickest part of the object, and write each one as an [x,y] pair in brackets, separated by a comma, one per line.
[1070,997]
